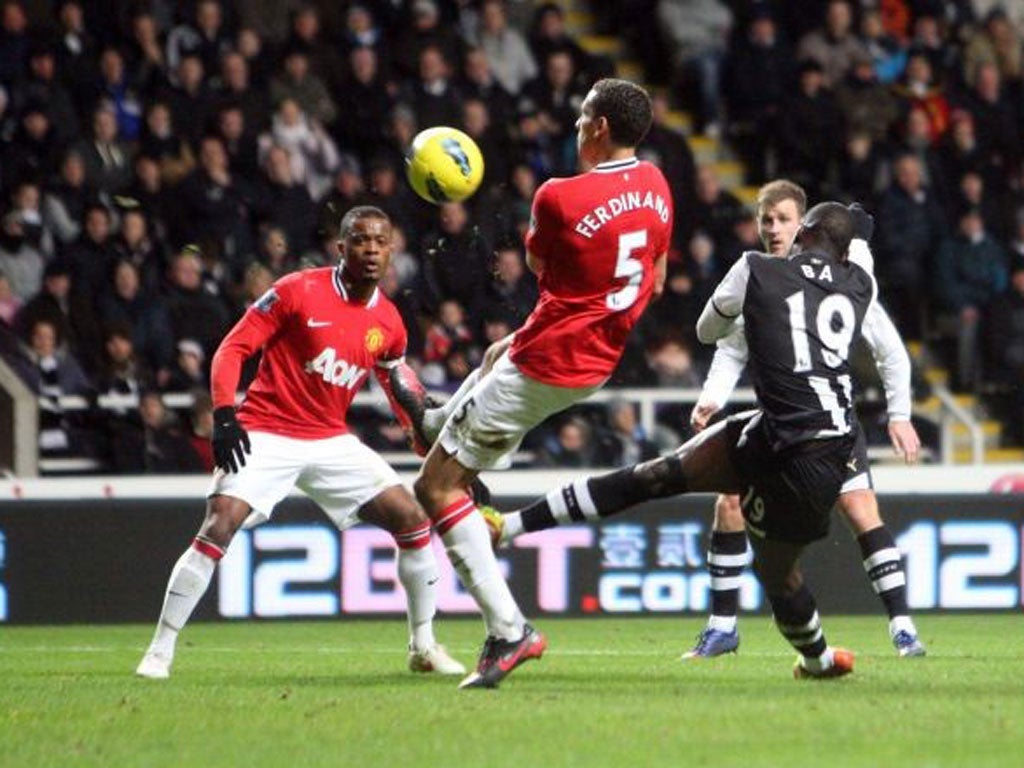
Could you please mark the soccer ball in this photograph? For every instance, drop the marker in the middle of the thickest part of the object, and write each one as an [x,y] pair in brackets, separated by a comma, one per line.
[444,165]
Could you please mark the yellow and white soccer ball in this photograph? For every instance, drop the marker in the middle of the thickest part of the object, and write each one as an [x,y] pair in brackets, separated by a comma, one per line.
[444,165]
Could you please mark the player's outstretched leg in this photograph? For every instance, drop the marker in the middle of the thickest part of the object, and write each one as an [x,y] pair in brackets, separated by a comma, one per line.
[189,581]
[884,567]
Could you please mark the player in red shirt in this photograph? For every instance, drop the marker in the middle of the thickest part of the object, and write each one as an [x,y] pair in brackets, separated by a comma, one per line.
[598,243]
[321,331]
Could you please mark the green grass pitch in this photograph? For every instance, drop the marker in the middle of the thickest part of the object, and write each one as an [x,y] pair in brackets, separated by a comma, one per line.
[608,693]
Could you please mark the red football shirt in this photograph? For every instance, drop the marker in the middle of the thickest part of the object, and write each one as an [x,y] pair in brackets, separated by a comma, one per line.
[318,347]
[598,235]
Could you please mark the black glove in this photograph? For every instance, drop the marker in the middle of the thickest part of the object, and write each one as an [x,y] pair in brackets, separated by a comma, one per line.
[863,222]
[230,440]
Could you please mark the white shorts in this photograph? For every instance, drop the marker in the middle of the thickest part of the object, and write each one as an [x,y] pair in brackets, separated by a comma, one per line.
[487,427]
[338,473]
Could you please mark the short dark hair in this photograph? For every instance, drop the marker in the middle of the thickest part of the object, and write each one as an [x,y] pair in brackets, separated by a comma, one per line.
[355,214]
[627,108]
[833,223]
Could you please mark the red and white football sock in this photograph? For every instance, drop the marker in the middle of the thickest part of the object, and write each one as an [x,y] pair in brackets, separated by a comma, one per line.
[468,544]
[417,570]
[189,580]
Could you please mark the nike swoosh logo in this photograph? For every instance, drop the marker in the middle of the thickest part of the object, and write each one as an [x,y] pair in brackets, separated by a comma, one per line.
[433,581]
[317,323]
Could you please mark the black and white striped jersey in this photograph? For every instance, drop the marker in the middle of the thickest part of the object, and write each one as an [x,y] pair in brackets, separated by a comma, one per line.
[801,314]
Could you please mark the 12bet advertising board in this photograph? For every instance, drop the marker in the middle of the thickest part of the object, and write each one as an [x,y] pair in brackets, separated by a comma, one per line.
[107,560]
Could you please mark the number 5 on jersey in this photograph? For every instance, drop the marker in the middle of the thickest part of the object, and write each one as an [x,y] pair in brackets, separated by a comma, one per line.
[627,265]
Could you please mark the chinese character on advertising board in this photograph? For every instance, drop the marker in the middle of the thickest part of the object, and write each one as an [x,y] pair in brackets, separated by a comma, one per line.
[679,545]
[623,546]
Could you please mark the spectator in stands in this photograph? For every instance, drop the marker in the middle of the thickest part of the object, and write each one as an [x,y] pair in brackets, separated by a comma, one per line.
[625,442]
[866,105]
[571,445]
[994,116]
[76,54]
[9,303]
[834,45]
[92,255]
[391,194]
[306,35]
[66,198]
[930,39]
[1005,337]
[668,148]
[557,97]
[26,204]
[216,205]
[433,96]
[671,360]
[758,75]
[31,151]
[20,260]
[14,42]
[970,271]
[915,137]
[124,302]
[961,152]
[548,34]
[887,54]
[162,142]
[188,98]
[144,55]
[122,372]
[696,32]
[512,288]
[349,189]
[808,127]
[492,139]
[56,373]
[448,332]
[289,206]
[44,86]
[478,82]
[511,61]
[457,259]
[911,224]
[189,371]
[240,143]
[297,83]
[206,37]
[997,43]
[312,154]
[918,89]
[200,419]
[108,160]
[194,314]
[365,103]
[275,252]
[115,89]
[860,171]
[716,209]
[157,446]
[135,244]
[361,30]
[972,193]
[236,88]
[1016,239]
[426,29]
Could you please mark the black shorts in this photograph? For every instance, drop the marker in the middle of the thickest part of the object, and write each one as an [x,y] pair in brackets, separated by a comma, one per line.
[790,493]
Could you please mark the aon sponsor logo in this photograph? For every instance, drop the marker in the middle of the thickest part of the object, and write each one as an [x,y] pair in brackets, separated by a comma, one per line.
[334,370]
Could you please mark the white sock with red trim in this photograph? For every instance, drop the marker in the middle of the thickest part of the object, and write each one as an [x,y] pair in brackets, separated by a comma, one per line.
[468,543]
[417,570]
[189,580]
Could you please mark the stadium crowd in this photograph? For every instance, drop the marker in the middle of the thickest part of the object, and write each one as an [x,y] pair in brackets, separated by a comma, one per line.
[162,163]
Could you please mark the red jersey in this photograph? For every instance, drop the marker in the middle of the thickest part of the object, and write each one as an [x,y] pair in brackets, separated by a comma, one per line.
[598,235]
[318,348]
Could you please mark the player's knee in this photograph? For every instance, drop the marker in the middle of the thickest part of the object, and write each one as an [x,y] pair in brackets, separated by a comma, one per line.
[427,492]
[728,513]
[224,516]
[860,509]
